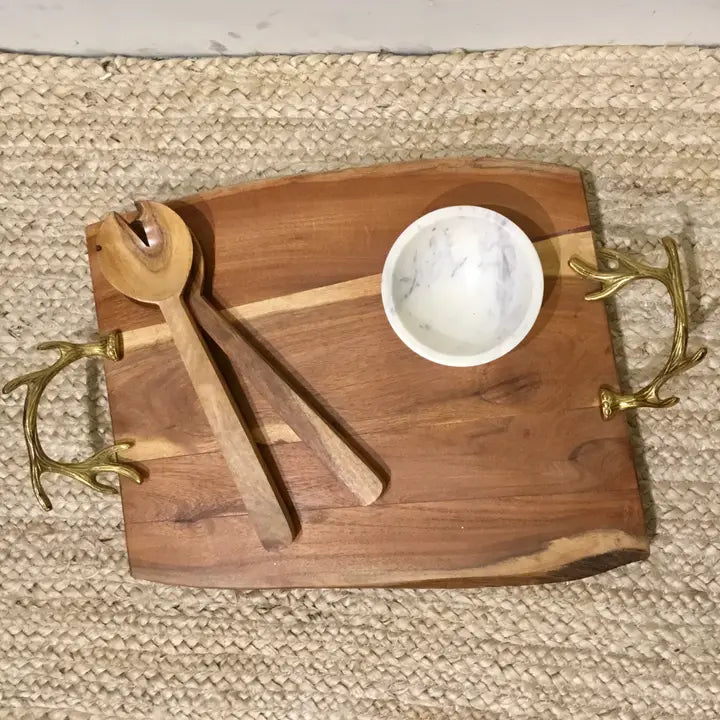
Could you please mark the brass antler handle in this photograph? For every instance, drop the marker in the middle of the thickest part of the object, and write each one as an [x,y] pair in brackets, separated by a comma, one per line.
[670,276]
[84,471]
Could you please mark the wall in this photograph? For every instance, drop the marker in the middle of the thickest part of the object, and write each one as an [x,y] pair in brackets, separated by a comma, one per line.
[239,27]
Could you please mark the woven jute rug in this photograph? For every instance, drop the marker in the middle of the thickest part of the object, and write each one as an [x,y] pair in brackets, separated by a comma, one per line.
[80,639]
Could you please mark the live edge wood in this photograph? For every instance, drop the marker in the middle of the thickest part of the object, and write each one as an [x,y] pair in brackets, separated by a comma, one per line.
[499,474]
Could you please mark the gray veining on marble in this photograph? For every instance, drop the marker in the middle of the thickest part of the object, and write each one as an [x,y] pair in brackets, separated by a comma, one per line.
[462,282]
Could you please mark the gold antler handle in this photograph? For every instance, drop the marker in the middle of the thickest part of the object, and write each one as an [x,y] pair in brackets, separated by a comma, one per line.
[670,276]
[85,471]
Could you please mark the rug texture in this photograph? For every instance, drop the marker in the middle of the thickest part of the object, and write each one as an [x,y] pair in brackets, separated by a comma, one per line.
[80,639]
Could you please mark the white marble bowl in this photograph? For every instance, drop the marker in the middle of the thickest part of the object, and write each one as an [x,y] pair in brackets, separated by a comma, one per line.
[462,286]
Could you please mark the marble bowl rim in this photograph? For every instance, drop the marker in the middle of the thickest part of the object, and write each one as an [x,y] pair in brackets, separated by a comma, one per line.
[507,344]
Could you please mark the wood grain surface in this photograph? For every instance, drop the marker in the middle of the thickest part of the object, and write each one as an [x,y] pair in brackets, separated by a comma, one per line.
[503,473]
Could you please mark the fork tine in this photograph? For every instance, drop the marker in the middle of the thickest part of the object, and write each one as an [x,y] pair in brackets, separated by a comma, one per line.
[153,226]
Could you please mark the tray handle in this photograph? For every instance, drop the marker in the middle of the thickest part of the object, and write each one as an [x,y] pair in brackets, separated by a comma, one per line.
[627,270]
[84,471]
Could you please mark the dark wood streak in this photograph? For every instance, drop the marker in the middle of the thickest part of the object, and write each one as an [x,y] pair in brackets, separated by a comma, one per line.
[498,427]
[571,571]
[594,565]
[520,386]
[596,445]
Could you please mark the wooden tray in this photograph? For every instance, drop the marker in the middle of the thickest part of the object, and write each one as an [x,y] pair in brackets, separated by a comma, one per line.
[504,473]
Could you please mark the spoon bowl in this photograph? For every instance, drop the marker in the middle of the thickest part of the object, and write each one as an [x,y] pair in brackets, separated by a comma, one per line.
[150,267]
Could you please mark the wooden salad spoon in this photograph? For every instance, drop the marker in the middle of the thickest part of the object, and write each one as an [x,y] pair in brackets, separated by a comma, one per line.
[154,269]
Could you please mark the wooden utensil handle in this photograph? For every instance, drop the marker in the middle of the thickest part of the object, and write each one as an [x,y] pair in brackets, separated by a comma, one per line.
[312,429]
[265,506]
